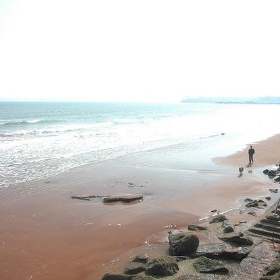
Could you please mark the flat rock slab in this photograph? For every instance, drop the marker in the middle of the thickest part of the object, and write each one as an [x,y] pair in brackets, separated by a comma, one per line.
[126,198]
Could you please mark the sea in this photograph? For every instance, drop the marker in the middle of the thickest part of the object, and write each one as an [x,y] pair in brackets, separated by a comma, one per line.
[41,139]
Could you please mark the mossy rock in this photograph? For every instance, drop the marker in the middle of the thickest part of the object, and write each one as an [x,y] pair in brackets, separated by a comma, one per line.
[206,265]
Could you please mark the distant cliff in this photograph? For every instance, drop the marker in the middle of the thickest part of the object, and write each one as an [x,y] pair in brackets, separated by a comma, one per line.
[242,100]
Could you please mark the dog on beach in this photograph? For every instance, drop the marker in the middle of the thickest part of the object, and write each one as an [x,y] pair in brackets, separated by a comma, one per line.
[241,169]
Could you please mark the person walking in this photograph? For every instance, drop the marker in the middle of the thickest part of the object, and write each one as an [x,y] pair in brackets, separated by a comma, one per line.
[251,152]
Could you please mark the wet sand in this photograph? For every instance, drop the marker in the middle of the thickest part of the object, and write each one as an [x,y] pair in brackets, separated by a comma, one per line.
[47,235]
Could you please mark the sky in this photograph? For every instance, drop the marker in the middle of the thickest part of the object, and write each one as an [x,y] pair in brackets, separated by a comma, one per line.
[138,51]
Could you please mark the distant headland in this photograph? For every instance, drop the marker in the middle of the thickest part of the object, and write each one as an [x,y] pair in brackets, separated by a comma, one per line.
[238,100]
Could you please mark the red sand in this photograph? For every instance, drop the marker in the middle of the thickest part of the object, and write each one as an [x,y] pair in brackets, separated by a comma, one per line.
[47,235]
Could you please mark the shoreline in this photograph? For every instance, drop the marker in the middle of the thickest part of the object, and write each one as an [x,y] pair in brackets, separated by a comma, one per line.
[47,235]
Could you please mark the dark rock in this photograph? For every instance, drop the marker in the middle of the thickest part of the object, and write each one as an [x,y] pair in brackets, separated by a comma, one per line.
[272,173]
[228,229]
[142,258]
[252,213]
[163,266]
[266,171]
[182,244]
[273,190]
[256,203]
[218,219]
[113,276]
[134,268]
[122,198]
[196,228]
[88,197]
[237,238]
[248,200]
[277,180]
[192,227]
[206,265]
[143,277]
[268,198]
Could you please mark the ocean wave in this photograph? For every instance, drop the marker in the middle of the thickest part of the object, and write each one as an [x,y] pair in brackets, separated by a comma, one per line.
[22,122]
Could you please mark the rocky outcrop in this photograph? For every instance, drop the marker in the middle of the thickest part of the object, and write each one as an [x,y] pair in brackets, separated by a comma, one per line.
[268,226]
[182,244]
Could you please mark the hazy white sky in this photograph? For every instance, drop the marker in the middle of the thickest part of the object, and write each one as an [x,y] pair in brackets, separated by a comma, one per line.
[138,50]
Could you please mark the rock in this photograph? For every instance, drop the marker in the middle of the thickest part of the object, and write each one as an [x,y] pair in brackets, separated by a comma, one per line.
[248,200]
[272,271]
[260,257]
[272,173]
[113,276]
[252,213]
[277,180]
[218,219]
[228,229]
[88,197]
[163,266]
[268,198]
[142,258]
[273,190]
[256,203]
[222,251]
[192,227]
[122,198]
[182,244]
[196,228]
[206,265]
[236,238]
[266,171]
[134,268]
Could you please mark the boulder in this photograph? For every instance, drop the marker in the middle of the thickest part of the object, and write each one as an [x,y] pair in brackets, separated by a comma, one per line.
[206,265]
[182,244]
[163,266]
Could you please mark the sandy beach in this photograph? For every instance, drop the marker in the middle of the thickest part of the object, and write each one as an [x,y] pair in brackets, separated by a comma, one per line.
[47,235]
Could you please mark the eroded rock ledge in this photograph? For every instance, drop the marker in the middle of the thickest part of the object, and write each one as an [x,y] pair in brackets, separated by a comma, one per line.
[237,255]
